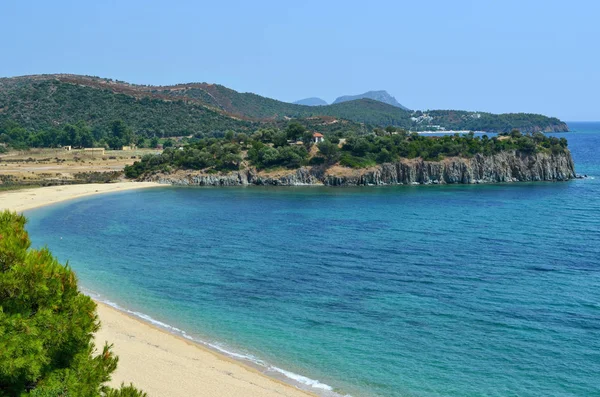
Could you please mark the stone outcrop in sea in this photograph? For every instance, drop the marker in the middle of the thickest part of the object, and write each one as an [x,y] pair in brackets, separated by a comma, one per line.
[503,167]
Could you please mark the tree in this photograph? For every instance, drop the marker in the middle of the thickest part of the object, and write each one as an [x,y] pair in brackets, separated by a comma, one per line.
[294,130]
[140,141]
[242,138]
[46,324]
[292,156]
[330,151]
[71,135]
[267,156]
[84,132]
[229,134]
[279,139]
[307,139]
[120,135]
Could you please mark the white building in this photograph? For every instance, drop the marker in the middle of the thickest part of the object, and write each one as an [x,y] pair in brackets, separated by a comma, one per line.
[318,137]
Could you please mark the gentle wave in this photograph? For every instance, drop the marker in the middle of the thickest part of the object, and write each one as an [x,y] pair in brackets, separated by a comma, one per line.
[302,379]
[296,379]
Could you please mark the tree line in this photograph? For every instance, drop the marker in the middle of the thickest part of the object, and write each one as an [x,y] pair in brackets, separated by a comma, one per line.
[116,135]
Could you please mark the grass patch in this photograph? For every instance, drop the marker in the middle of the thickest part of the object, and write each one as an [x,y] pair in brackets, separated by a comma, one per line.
[8,188]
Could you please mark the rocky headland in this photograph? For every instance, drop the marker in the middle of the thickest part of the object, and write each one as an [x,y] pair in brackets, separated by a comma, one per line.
[513,166]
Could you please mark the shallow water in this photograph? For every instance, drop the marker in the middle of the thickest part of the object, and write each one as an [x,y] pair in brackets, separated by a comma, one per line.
[378,291]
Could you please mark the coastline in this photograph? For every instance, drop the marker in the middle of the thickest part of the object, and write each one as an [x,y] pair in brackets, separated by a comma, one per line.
[503,167]
[158,361]
[27,199]
[164,364]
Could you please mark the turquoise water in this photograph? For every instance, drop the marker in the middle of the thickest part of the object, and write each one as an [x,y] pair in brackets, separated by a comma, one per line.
[395,291]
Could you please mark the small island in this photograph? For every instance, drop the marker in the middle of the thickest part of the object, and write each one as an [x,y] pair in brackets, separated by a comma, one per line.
[390,156]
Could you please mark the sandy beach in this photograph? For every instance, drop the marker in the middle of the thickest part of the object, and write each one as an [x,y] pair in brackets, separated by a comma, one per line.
[160,363]
[26,199]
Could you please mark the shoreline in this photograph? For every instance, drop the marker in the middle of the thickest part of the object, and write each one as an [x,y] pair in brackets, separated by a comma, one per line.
[28,199]
[180,365]
[160,362]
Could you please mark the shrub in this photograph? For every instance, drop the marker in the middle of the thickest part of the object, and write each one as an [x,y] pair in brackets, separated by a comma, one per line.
[348,160]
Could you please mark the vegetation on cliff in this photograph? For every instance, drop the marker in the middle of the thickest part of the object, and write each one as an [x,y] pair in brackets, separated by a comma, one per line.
[41,103]
[271,148]
[47,325]
[359,152]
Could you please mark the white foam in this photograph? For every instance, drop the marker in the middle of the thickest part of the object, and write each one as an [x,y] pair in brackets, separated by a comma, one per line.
[142,316]
[296,378]
[302,379]
[223,349]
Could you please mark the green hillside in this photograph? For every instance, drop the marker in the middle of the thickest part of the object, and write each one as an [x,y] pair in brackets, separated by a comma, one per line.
[45,104]
[369,111]
[254,106]
[47,101]
[481,121]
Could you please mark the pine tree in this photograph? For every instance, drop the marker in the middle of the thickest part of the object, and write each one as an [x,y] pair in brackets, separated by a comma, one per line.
[47,325]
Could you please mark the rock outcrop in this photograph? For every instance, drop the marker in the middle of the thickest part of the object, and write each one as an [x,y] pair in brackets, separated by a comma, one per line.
[557,127]
[503,167]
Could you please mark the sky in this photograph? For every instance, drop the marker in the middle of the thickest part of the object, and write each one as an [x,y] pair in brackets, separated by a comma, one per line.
[485,55]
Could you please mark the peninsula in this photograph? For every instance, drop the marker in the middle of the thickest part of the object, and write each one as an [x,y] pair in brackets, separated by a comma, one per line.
[390,157]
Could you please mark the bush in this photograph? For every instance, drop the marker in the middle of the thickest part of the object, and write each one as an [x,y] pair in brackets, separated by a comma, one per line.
[316,161]
[46,324]
[348,160]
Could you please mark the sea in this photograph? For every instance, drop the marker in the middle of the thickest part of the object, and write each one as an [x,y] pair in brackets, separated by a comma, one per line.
[483,290]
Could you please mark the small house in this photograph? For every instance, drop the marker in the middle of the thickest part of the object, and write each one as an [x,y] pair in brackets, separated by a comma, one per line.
[318,137]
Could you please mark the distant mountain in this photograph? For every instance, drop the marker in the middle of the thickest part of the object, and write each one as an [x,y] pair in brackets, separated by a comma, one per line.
[313,101]
[381,96]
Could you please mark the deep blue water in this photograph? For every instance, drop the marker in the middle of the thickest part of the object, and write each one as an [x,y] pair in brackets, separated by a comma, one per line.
[395,291]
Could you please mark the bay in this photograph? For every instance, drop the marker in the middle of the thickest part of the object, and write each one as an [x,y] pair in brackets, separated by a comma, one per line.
[375,291]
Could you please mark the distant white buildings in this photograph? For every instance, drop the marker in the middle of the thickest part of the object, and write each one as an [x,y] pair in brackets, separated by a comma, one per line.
[424,118]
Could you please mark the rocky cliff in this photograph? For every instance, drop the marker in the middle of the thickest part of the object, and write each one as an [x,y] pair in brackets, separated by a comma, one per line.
[556,127]
[503,167]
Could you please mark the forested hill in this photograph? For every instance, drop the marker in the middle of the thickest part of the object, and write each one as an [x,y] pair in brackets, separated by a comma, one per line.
[39,104]
[381,96]
[48,101]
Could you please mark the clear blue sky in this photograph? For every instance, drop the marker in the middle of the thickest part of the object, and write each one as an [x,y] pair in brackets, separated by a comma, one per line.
[499,56]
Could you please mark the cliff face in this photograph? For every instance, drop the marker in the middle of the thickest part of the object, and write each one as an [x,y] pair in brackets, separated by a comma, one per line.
[502,167]
[558,127]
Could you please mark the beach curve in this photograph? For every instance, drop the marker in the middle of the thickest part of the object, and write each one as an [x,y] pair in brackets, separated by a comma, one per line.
[155,360]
